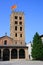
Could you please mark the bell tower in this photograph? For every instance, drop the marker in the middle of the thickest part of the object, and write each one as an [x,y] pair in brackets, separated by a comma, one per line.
[17,28]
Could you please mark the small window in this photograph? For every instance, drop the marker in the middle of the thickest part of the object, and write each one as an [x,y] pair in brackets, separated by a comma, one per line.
[15,27]
[16,22]
[20,18]
[20,23]
[5,42]
[15,34]
[20,28]
[20,35]
[16,17]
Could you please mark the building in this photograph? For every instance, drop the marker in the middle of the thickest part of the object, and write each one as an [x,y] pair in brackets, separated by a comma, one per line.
[41,38]
[29,45]
[14,47]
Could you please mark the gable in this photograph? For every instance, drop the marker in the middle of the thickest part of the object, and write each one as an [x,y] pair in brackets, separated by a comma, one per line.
[6,41]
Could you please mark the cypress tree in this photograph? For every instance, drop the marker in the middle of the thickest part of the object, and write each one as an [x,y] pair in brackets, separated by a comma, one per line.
[37,47]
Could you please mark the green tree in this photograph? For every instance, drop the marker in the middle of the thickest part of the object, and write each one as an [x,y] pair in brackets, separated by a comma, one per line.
[37,47]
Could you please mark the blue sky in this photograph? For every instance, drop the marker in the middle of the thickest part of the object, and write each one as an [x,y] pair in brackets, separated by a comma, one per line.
[33,11]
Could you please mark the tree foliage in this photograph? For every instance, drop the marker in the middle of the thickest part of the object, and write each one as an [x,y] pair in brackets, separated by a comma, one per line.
[37,47]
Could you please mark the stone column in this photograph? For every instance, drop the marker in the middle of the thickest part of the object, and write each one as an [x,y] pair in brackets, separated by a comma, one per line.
[1,54]
[17,53]
[10,54]
[26,54]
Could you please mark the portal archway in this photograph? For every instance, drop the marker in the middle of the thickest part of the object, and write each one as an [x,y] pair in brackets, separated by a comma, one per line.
[14,54]
[6,54]
[0,53]
[21,53]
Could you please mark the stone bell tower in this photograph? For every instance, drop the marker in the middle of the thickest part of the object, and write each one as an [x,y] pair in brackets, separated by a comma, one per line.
[17,28]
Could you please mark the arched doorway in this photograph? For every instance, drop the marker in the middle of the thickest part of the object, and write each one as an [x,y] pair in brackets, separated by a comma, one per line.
[21,53]
[0,54]
[6,54]
[14,54]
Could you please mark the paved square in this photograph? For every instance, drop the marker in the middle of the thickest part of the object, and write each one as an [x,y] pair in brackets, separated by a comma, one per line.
[21,62]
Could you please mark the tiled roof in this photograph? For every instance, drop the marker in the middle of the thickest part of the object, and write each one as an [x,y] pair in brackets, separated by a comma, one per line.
[41,35]
[6,36]
[13,47]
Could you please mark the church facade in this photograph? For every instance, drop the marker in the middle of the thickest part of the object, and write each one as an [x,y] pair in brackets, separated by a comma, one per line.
[14,47]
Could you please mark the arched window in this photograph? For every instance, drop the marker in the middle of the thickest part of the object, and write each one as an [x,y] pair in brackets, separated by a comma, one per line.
[5,42]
